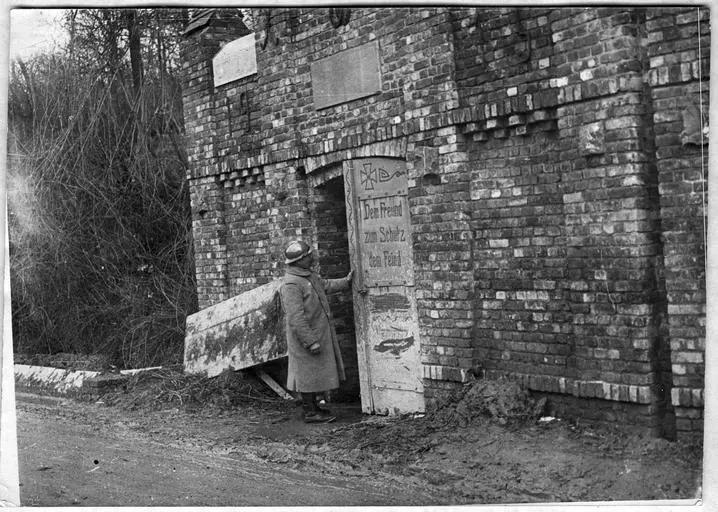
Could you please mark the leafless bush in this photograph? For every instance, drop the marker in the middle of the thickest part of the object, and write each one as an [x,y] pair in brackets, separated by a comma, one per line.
[99,217]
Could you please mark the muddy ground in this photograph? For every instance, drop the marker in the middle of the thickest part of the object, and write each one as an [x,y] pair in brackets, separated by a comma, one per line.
[478,449]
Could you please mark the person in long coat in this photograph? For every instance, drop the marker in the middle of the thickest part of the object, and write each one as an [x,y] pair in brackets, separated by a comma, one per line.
[315,362]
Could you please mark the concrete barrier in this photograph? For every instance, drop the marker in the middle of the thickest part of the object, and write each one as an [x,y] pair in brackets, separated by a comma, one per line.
[61,381]
[53,380]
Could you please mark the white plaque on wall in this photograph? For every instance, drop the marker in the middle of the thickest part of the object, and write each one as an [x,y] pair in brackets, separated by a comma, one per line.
[235,60]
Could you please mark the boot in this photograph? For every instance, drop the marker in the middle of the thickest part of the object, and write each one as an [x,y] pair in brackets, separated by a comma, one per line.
[312,413]
[320,406]
[324,409]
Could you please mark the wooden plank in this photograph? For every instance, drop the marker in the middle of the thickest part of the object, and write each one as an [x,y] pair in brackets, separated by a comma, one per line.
[135,371]
[238,333]
[269,381]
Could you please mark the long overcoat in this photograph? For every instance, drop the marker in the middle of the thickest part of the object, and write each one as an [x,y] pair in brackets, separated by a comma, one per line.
[309,320]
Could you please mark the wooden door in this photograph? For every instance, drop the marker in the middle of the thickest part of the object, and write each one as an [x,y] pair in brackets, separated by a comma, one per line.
[385,311]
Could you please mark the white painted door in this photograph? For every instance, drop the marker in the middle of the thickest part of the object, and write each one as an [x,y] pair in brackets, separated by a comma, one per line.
[385,311]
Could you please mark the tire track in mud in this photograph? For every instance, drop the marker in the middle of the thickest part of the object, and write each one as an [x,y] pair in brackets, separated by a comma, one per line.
[94,457]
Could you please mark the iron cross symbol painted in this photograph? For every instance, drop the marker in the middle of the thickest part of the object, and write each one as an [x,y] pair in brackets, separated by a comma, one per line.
[368,177]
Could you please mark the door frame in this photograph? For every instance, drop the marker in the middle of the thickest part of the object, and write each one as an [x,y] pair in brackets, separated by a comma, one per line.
[359,301]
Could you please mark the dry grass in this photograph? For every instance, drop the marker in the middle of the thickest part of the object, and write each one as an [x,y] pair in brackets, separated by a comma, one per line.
[171,387]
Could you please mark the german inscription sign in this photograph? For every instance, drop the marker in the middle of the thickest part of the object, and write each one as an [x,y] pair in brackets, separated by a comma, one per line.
[383,222]
[235,60]
[346,76]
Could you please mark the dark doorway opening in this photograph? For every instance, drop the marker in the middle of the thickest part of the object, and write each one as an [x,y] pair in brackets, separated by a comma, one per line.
[329,216]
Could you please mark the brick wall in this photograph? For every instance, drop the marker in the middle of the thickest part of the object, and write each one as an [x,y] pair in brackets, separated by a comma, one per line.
[555,189]
[208,184]
[567,255]
[678,72]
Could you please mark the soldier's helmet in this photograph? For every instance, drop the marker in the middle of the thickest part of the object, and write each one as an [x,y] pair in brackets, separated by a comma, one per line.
[295,251]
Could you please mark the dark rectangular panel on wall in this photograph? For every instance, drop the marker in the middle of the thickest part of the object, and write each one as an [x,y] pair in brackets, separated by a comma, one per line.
[346,76]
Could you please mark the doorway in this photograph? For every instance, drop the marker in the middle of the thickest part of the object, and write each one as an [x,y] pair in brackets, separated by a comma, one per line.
[330,223]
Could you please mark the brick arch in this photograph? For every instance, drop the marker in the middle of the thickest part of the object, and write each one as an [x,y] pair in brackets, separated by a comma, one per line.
[322,175]
[395,148]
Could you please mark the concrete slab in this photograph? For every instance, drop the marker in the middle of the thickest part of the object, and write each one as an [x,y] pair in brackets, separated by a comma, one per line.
[238,333]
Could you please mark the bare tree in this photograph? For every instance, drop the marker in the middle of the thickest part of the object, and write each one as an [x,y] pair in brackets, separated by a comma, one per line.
[134,31]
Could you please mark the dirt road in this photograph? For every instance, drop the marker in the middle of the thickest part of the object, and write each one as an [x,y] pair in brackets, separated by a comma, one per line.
[260,453]
[87,457]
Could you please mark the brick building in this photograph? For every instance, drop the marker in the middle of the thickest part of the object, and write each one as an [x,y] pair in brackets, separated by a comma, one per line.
[521,191]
